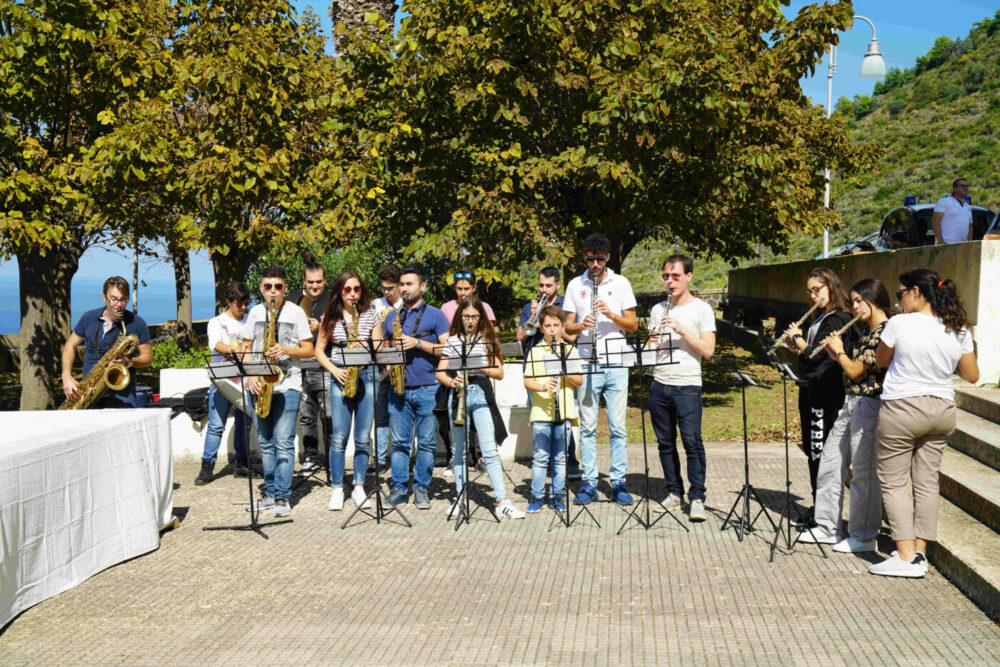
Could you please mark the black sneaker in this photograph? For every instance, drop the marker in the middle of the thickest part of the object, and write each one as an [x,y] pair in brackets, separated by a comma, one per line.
[205,476]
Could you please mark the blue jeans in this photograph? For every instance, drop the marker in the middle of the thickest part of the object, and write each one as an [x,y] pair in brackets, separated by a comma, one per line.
[413,411]
[276,434]
[549,442]
[477,411]
[670,408]
[612,384]
[218,411]
[360,409]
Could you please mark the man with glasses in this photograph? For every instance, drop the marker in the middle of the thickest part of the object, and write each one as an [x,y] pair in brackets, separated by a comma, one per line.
[675,396]
[424,330]
[603,300]
[276,431]
[315,296]
[99,329]
[465,284]
[388,277]
[952,219]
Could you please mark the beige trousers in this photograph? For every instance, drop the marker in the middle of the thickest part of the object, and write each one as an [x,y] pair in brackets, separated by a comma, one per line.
[912,435]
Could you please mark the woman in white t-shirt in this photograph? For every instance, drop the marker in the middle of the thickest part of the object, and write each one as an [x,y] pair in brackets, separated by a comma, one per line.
[922,348]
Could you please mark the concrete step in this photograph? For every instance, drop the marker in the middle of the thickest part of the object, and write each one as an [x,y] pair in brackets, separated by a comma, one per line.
[983,402]
[966,554]
[978,438]
[972,486]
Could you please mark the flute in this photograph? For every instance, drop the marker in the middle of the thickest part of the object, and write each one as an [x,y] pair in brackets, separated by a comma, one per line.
[778,343]
[840,331]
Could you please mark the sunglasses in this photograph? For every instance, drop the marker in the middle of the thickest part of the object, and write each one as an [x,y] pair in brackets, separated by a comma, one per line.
[349,290]
[464,275]
[901,292]
[277,287]
[590,259]
[668,276]
[389,288]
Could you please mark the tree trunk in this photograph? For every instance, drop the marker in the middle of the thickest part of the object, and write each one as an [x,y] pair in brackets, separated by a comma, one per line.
[233,266]
[184,331]
[45,321]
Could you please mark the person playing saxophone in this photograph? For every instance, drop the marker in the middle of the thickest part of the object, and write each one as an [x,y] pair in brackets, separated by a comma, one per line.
[349,320]
[99,329]
[276,429]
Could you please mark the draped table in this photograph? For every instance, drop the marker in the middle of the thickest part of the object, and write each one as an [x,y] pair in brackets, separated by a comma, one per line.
[79,492]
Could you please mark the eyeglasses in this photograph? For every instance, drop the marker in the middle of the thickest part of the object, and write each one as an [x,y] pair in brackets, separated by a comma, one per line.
[900,292]
[590,259]
[464,275]
[277,287]
[349,290]
[111,299]
[815,290]
[389,288]
[675,276]
[471,318]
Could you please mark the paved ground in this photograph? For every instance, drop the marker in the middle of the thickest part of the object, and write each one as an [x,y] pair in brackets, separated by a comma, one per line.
[513,593]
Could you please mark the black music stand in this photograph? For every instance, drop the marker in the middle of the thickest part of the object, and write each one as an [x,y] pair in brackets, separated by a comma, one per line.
[312,366]
[743,523]
[472,355]
[369,358]
[559,364]
[244,368]
[636,355]
[787,374]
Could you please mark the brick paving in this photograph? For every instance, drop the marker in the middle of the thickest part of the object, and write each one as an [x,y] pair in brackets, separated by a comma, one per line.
[509,593]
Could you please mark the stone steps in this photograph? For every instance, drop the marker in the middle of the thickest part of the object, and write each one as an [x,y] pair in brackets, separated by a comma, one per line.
[966,553]
[978,438]
[972,486]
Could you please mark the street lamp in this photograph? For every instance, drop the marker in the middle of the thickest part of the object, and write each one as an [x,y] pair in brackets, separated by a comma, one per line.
[872,67]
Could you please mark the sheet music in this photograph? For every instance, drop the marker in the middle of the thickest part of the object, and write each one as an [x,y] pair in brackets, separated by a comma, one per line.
[353,356]
[553,365]
[630,358]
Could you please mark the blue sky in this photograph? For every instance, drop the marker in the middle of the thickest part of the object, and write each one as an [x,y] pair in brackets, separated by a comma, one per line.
[905,31]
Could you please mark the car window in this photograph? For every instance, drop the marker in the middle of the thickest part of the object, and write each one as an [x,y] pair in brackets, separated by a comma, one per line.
[980,223]
[923,232]
[896,228]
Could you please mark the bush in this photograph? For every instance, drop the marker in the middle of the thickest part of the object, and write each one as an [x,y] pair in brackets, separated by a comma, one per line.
[166,354]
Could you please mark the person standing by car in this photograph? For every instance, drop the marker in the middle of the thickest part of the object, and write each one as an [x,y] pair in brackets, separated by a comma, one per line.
[952,219]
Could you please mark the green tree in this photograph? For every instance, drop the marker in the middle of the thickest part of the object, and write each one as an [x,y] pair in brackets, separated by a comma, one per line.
[69,69]
[506,130]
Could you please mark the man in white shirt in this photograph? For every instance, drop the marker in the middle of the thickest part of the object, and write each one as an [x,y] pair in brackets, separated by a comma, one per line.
[293,341]
[952,219]
[614,310]
[391,298]
[675,396]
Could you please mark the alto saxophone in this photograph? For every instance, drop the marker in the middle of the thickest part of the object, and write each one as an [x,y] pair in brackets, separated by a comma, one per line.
[262,406]
[106,374]
[460,415]
[350,389]
[397,372]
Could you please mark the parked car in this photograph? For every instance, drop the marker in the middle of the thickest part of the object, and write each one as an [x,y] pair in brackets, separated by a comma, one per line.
[909,226]
[994,227]
[864,244]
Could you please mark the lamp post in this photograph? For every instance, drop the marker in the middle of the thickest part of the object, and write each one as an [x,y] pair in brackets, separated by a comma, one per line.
[872,67]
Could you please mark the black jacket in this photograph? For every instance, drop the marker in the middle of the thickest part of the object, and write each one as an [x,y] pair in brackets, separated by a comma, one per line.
[822,370]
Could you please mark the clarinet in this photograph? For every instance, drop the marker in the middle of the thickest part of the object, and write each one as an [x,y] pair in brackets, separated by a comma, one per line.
[594,275]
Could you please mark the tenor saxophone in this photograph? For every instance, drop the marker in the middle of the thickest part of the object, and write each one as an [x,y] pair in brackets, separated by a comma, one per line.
[262,406]
[106,374]
[350,389]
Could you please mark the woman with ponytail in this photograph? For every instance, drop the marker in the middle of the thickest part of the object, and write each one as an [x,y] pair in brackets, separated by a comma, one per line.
[921,348]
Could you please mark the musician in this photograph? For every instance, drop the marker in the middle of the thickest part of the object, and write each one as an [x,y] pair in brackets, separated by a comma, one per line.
[312,408]
[602,294]
[225,334]
[821,381]
[470,326]
[99,329]
[675,395]
[424,329]
[388,277]
[276,431]
[349,305]
[851,442]
[921,348]
[549,284]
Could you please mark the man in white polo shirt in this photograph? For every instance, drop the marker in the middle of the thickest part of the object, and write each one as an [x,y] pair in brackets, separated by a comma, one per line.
[614,310]
[952,219]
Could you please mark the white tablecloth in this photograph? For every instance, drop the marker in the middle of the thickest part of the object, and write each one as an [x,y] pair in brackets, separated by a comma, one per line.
[79,492]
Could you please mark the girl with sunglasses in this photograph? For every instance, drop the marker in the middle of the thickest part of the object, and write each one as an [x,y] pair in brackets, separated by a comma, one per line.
[921,348]
[821,382]
[472,326]
[349,303]
[851,442]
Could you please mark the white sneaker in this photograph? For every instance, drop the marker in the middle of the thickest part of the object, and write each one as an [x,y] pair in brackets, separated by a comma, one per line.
[359,497]
[282,508]
[918,559]
[697,511]
[816,536]
[508,510]
[894,567]
[336,499]
[852,545]
[453,510]
[448,473]
[671,502]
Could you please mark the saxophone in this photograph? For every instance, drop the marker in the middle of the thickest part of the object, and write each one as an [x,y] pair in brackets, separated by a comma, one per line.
[397,373]
[262,407]
[350,389]
[106,374]
[460,416]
